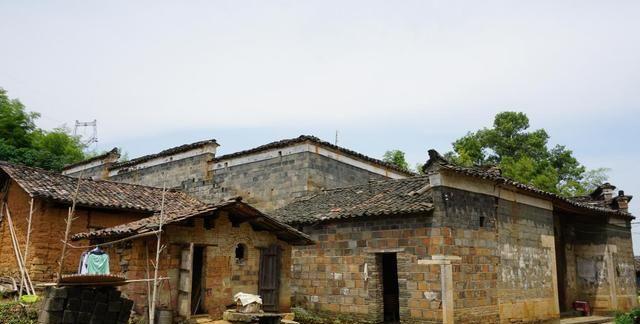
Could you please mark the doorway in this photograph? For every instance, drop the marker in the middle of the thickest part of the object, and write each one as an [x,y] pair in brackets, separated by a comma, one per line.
[269,278]
[390,289]
[197,284]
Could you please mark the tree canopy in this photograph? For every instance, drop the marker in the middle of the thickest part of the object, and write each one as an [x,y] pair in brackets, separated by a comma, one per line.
[21,141]
[525,156]
[396,157]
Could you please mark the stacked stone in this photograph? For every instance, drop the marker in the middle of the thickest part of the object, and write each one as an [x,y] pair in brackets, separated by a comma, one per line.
[74,305]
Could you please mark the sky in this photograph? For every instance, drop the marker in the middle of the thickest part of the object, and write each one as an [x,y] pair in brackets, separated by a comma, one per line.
[408,75]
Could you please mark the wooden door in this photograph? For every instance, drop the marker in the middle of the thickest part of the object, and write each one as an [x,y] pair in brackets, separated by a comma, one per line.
[184,284]
[269,283]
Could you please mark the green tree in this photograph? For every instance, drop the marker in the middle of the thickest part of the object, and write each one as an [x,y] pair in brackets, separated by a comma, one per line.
[21,141]
[525,156]
[396,157]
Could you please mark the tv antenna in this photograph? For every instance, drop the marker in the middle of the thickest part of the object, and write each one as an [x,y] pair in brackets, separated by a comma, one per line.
[94,134]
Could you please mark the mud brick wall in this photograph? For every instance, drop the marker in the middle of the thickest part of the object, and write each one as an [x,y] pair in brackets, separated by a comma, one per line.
[272,183]
[84,305]
[223,275]
[174,172]
[48,226]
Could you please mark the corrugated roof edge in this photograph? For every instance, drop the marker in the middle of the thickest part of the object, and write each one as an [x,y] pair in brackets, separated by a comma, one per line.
[309,138]
[170,151]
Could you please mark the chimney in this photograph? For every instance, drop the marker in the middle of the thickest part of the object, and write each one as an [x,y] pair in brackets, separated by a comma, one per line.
[604,192]
[621,202]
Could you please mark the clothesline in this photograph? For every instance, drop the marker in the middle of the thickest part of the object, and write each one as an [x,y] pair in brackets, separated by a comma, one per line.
[113,242]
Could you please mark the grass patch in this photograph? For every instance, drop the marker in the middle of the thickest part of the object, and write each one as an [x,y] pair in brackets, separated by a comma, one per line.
[13,312]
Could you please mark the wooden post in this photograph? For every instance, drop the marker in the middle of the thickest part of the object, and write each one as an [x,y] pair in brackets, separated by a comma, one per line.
[69,220]
[156,265]
[446,283]
[26,244]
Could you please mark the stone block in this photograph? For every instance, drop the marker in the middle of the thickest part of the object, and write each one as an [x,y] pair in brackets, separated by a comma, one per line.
[54,304]
[87,295]
[73,304]
[55,292]
[46,317]
[83,317]
[87,306]
[114,306]
[69,317]
[100,308]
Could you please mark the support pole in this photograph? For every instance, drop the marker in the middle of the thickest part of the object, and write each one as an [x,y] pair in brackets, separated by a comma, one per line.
[72,212]
[156,265]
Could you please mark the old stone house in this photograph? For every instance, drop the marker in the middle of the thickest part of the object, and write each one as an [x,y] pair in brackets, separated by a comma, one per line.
[213,252]
[267,177]
[49,195]
[460,244]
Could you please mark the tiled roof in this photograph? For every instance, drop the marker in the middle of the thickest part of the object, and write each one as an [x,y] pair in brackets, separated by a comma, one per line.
[171,151]
[376,198]
[113,151]
[253,216]
[437,162]
[48,185]
[315,140]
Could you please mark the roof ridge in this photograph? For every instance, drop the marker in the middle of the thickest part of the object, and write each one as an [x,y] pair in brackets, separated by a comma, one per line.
[171,150]
[379,181]
[314,139]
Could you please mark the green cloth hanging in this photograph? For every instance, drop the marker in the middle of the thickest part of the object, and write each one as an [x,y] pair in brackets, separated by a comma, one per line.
[98,263]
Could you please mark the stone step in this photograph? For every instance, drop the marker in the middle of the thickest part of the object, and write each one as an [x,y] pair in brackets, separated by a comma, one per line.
[284,321]
[587,320]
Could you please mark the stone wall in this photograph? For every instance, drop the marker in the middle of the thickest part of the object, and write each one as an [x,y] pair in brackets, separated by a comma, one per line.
[272,183]
[329,277]
[48,226]
[224,276]
[505,274]
[526,286]
[598,264]
[173,172]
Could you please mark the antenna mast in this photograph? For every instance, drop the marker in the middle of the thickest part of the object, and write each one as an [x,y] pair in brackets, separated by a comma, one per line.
[94,135]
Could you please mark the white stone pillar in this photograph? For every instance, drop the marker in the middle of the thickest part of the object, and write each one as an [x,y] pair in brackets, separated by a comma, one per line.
[446,283]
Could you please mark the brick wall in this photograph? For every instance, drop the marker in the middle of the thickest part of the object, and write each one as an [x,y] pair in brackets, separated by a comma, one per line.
[48,226]
[223,275]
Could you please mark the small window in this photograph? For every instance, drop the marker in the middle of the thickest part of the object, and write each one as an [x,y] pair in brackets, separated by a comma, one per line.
[241,253]
[481,221]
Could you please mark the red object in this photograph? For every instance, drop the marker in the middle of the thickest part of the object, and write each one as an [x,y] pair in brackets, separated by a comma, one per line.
[582,306]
